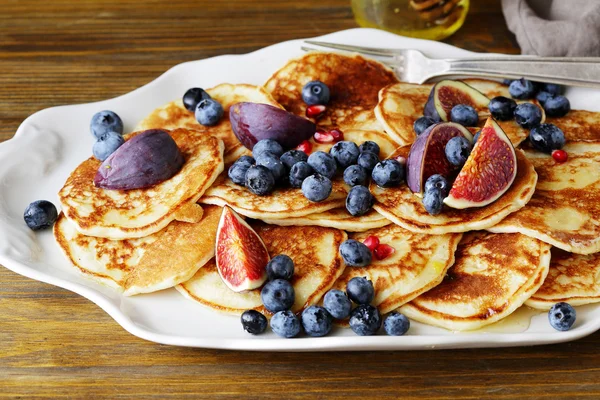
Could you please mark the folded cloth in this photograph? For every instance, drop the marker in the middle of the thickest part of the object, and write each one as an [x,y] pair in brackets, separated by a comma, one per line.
[555,27]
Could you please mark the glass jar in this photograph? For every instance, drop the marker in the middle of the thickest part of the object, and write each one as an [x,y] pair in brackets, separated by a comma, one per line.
[425,19]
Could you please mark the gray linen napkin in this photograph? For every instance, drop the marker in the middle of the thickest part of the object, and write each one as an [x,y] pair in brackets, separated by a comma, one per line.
[555,27]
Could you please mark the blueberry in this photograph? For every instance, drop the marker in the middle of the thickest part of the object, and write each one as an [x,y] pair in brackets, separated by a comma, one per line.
[464,114]
[547,138]
[542,97]
[280,267]
[437,181]
[355,253]
[562,316]
[107,144]
[209,112]
[316,321]
[502,108]
[557,106]
[457,150]
[315,92]
[254,322]
[260,180]
[323,163]
[285,324]
[421,124]
[369,146]
[388,173]
[360,290]
[299,172]
[528,115]
[277,295]
[522,89]
[476,137]
[345,153]
[272,162]
[291,157]
[551,88]
[396,324]
[267,146]
[365,320]
[355,175]
[316,187]
[337,304]
[237,171]
[359,201]
[432,201]
[192,97]
[104,122]
[40,214]
[368,160]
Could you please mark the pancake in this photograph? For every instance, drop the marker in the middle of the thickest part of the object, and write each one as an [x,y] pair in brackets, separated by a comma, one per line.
[573,278]
[404,208]
[401,104]
[155,262]
[353,81]
[579,125]
[126,214]
[283,202]
[338,218]
[316,267]
[492,276]
[565,208]
[174,115]
[418,264]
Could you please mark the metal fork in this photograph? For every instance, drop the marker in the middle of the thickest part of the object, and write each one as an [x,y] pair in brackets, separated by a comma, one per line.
[414,67]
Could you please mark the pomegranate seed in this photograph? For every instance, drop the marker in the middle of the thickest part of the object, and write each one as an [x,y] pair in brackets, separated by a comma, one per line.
[371,242]
[401,160]
[383,251]
[337,135]
[560,156]
[315,111]
[305,146]
[323,137]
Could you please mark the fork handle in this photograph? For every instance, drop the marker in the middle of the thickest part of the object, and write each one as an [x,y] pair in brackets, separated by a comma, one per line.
[584,71]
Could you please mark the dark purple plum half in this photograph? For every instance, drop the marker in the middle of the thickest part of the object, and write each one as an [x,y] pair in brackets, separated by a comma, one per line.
[145,160]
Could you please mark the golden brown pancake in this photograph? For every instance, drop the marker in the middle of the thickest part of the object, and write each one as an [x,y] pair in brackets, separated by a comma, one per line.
[404,208]
[573,278]
[418,264]
[338,218]
[492,276]
[174,115]
[126,214]
[283,202]
[579,125]
[353,81]
[155,262]
[565,208]
[317,264]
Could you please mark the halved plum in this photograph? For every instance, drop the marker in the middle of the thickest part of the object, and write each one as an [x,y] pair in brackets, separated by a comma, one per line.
[427,155]
[489,171]
[448,93]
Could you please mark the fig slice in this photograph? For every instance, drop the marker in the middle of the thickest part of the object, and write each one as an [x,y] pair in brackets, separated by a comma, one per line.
[240,254]
[145,160]
[252,122]
[448,93]
[427,155]
[489,171]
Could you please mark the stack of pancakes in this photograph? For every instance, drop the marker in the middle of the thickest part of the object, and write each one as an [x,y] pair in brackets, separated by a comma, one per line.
[460,270]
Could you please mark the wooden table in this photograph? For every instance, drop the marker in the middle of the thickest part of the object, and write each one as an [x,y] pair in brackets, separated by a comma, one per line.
[56,344]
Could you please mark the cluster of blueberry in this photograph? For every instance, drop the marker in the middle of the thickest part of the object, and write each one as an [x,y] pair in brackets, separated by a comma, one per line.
[107,128]
[208,112]
[278,297]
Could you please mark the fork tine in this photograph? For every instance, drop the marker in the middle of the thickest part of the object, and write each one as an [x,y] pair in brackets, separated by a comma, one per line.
[356,49]
[383,61]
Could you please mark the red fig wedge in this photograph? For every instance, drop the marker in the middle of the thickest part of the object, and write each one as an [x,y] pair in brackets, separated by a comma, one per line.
[145,160]
[252,122]
[240,254]
[489,171]
[427,155]
[447,93]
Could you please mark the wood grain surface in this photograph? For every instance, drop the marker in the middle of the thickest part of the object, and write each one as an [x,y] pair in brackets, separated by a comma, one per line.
[55,344]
